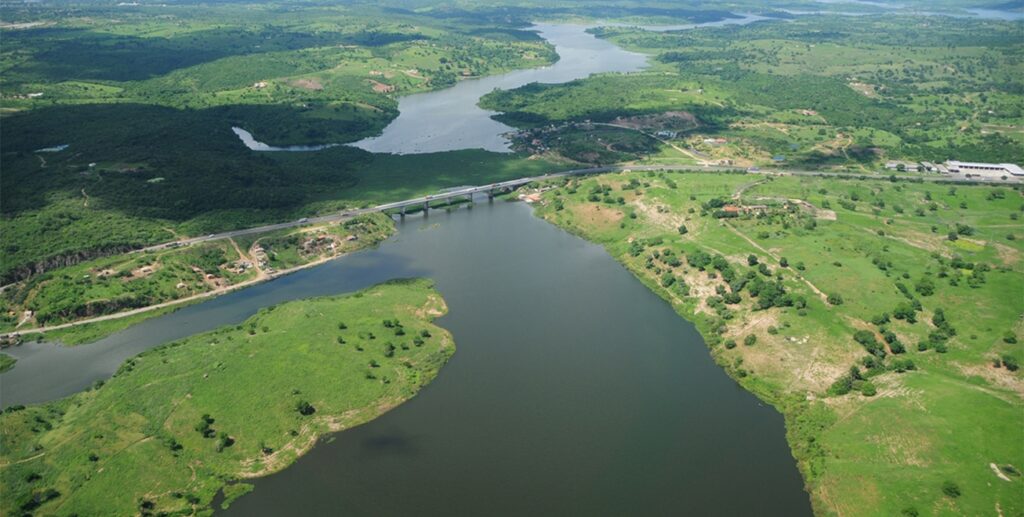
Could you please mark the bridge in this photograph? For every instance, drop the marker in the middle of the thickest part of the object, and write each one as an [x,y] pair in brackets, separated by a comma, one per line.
[493,189]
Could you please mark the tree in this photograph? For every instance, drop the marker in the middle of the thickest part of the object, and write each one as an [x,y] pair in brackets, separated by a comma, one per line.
[835,299]
[925,287]
[683,230]
[783,262]
[1009,337]
[750,340]
[752,260]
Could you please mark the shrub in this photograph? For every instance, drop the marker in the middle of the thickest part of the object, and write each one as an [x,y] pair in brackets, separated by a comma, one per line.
[835,299]
[1009,337]
[304,408]
[730,344]
[750,340]
[1010,362]
[951,489]
[868,389]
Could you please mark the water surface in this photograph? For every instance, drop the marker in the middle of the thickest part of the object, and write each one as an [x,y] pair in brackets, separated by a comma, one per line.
[449,119]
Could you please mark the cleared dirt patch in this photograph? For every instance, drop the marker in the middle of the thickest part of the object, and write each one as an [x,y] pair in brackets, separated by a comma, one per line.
[597,215]
[307,84]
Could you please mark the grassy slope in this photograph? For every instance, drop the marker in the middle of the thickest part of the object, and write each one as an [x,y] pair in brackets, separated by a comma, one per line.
[879,455]
[265,367]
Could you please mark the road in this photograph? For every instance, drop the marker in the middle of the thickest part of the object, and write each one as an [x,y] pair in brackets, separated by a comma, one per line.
[511,184]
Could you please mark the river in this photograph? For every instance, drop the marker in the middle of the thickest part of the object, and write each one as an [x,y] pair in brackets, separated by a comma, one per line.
[575,390]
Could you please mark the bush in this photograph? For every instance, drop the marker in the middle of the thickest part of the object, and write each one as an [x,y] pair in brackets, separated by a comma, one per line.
[842,386]
[750,340]
[730,344]
[1010,362]
[868,389]
[835,299]
[951,489]
[1009,337]
[304,408]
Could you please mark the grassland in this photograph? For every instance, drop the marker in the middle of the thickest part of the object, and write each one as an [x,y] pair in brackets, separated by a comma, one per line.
[841,92]
[176,424]
[881,318]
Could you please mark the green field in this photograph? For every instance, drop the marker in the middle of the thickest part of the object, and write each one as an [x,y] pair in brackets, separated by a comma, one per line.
[852,306]
[175,425]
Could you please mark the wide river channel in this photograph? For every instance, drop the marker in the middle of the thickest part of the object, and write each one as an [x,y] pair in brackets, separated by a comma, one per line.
[574,389]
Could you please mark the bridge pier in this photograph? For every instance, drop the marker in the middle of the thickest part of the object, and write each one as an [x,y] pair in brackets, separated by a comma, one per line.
[426,207]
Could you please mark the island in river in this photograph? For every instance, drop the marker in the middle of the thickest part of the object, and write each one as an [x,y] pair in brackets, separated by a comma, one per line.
[181,422]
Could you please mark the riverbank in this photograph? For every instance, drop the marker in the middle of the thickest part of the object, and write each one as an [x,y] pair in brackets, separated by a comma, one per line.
[175,425]
[879,337]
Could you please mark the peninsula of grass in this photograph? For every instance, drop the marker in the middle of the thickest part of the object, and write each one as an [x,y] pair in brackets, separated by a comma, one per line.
[6,362]
[882,319]
[179,423]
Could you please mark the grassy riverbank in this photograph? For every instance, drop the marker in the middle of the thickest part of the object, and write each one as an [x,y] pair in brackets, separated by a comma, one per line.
[882,319]
[178,423]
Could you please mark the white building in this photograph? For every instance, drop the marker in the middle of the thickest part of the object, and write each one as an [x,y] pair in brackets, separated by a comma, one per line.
[985,169]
